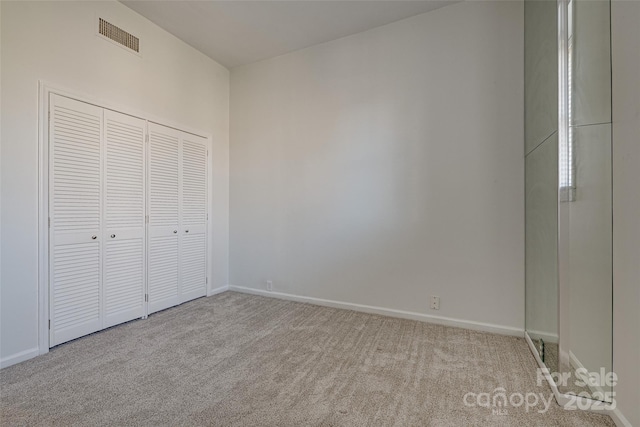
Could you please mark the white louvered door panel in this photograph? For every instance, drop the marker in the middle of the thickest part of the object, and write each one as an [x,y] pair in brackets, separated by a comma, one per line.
[163,202]
[75,205]
[193,244]
[124,218]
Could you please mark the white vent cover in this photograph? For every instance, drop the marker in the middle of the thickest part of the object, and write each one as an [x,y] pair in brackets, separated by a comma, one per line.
[118,35]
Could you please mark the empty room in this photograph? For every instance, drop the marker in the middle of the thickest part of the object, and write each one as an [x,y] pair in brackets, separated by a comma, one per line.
[320,213]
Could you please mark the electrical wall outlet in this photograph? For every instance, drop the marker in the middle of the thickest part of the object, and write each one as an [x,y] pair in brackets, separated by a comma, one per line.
[435,302]
[269,285]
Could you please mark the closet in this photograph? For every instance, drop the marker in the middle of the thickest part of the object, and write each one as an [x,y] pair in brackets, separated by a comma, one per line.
[177,217]
[127,218]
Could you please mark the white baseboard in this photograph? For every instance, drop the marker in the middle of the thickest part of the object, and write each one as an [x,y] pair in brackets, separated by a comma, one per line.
[439,320]
[19,357]
[575,365]
[615,414]
[619,419]
[546,336]
[219,290]
[562,399]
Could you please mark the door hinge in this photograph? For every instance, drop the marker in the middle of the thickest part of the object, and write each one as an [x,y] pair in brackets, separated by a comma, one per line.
[146,297]
[49,323]
[49,220]
[146,138]
[206,280]
[146,219]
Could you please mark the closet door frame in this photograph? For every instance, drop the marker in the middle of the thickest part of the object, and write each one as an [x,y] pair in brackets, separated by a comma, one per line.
[45,89]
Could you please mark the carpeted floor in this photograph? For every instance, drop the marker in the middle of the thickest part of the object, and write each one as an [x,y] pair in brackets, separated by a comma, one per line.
[242,360]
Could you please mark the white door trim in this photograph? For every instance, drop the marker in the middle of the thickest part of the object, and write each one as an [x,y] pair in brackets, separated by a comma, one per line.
[44,90]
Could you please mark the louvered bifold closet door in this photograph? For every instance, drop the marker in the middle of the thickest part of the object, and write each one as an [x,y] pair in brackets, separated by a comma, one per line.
[75,205]
[124,218]
[163,204]
[193,244]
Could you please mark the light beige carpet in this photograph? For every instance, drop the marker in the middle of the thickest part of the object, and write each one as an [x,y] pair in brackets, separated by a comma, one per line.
[241,360]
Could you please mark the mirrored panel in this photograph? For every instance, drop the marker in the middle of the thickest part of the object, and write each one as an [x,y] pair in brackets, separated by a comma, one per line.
[586,306]
[585,210]
[541,178]
[541,255]
[568,193]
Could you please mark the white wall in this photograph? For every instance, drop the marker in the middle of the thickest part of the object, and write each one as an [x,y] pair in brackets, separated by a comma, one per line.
[56,42]
[625,35]
[387,166]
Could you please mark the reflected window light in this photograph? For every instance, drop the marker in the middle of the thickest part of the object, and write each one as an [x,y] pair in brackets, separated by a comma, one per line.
[567,147]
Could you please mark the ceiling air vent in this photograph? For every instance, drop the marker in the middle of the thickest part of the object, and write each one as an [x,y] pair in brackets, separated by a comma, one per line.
[118,35]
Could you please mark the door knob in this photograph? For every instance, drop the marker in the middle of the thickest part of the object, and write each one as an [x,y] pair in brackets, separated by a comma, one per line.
[186,231]
[113,235]
[94,237]
[175,231]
